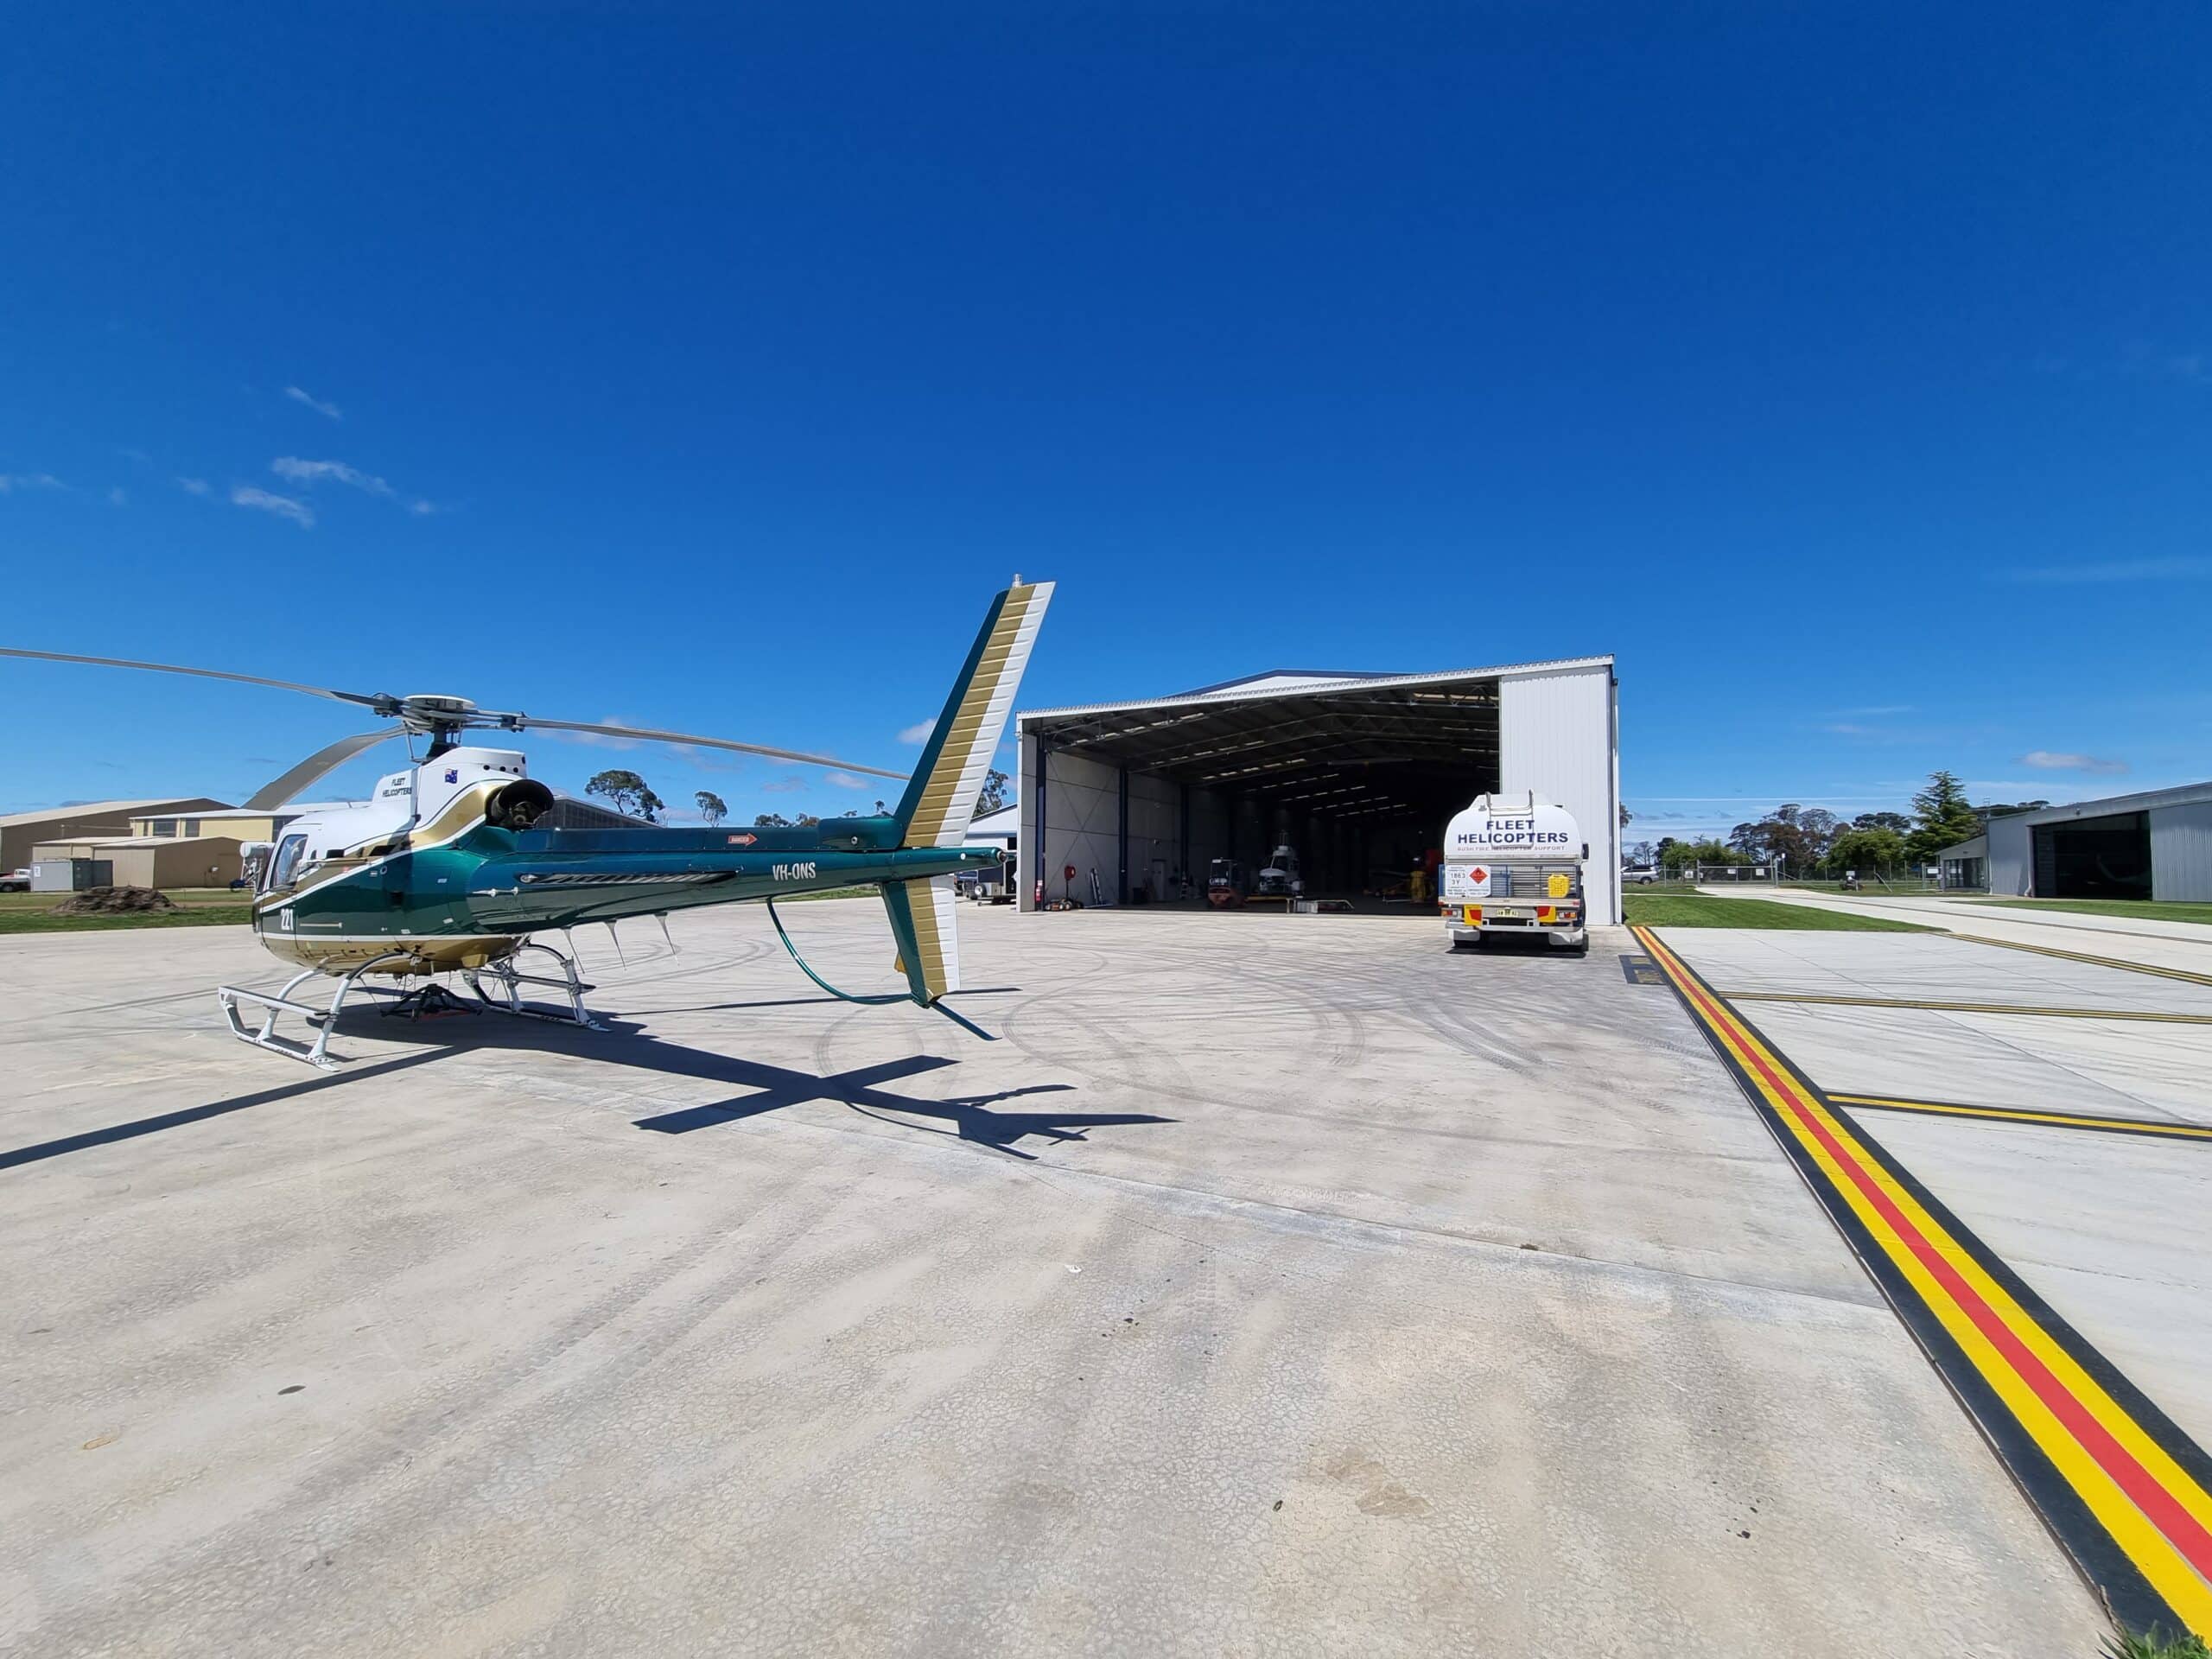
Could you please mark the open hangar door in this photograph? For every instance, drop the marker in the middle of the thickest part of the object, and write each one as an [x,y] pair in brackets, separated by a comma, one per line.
[2094,858]
[1358,773]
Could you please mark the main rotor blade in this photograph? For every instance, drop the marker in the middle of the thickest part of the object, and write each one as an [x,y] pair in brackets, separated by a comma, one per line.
[276,791]
[376,702]
[525,720]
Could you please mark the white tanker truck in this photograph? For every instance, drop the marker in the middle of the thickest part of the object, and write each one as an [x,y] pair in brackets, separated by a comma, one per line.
[1513,864]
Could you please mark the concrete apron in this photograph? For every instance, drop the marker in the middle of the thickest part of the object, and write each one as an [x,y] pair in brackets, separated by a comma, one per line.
[1266,1286]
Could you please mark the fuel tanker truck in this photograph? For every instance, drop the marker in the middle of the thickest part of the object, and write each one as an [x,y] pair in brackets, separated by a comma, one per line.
[1513,864]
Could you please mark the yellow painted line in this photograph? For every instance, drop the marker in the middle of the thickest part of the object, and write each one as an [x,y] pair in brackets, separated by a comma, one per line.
[2133,1490]
[2018,1114]
[2182,974]
[1967,1007]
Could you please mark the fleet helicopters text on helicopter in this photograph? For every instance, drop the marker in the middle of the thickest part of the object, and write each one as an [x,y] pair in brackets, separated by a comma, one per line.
[443,868]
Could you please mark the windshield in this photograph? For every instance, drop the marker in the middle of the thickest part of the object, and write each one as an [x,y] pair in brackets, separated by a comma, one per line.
[286,864]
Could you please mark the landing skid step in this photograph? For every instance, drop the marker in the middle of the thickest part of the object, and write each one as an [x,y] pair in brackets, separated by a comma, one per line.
[433,998]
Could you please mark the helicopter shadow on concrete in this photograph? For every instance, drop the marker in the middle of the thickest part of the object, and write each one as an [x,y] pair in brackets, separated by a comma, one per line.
[624,1042]
[809,1002]
[313,1083]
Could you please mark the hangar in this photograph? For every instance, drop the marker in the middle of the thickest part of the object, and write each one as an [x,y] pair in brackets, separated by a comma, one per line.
[2155,845]
[1357,772]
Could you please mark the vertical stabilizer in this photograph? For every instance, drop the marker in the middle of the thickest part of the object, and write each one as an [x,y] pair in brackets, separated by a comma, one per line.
[941,800]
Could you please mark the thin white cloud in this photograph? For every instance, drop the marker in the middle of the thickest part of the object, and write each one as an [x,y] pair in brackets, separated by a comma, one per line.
[2183,568]
[283,506]
[293,470]
[707,759]
[783,785]
[919,733]
[596,739]
[192,485]
[846,780]
[328,410]
[13,481]
[420,508]
[1847,728]
[2048,760]
[1875,713]
[117,497]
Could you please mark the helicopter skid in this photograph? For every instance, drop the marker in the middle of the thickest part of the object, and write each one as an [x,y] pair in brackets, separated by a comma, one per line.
[511,980]
[264,1036]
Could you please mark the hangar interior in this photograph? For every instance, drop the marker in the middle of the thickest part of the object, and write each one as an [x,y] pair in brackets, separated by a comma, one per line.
[2096,858]
[1358,773]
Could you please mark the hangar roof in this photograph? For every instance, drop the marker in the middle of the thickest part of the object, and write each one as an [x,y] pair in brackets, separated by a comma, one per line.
[1339,743]
[1305,681]
[184,806]
[140,844]
[2149,800]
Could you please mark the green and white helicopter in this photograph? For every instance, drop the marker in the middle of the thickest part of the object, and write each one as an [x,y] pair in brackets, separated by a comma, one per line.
[445,871]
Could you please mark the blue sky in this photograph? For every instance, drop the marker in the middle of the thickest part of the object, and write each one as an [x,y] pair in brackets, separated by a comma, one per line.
[1847,370]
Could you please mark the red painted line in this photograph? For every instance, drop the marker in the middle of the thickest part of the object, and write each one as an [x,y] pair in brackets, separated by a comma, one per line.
[2142,1490]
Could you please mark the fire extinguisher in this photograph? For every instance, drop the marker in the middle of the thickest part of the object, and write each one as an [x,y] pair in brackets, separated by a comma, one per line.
[1039,902]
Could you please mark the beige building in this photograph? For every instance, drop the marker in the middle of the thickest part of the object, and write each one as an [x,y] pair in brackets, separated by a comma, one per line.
[138,862]
[22,831]
[244,824]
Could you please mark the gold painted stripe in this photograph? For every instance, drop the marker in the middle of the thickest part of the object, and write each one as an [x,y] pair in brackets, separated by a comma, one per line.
[2022,1114]
[2183,974]
[1967,1007]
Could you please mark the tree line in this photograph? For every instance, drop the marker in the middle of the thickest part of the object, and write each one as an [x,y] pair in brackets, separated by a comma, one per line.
[1813,840]
[631,795]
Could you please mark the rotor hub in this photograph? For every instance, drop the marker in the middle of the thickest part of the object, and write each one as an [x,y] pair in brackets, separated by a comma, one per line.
[428,711]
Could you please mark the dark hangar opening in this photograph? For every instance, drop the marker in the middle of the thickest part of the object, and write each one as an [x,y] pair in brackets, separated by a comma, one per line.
[1360,778]
[2094,858]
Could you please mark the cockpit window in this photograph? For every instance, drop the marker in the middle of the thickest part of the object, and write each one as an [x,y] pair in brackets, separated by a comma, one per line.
[287,862]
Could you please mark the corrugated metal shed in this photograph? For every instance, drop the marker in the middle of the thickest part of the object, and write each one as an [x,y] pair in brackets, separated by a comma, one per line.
[1358,771]
[2181,850]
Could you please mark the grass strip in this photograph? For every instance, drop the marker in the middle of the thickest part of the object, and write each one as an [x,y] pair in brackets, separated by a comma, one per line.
[2153,910]
[1700,910]
[45,921]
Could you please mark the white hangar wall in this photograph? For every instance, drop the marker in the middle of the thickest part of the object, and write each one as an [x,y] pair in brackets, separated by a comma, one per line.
[1556,736]
[1083,826]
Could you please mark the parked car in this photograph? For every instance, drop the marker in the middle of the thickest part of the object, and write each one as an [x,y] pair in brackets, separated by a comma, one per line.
[1640,878]
[16,881]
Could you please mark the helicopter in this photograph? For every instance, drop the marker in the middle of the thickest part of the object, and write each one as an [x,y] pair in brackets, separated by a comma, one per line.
[448,869]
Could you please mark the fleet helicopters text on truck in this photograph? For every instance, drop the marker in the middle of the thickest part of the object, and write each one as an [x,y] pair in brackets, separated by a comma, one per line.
[445,870]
